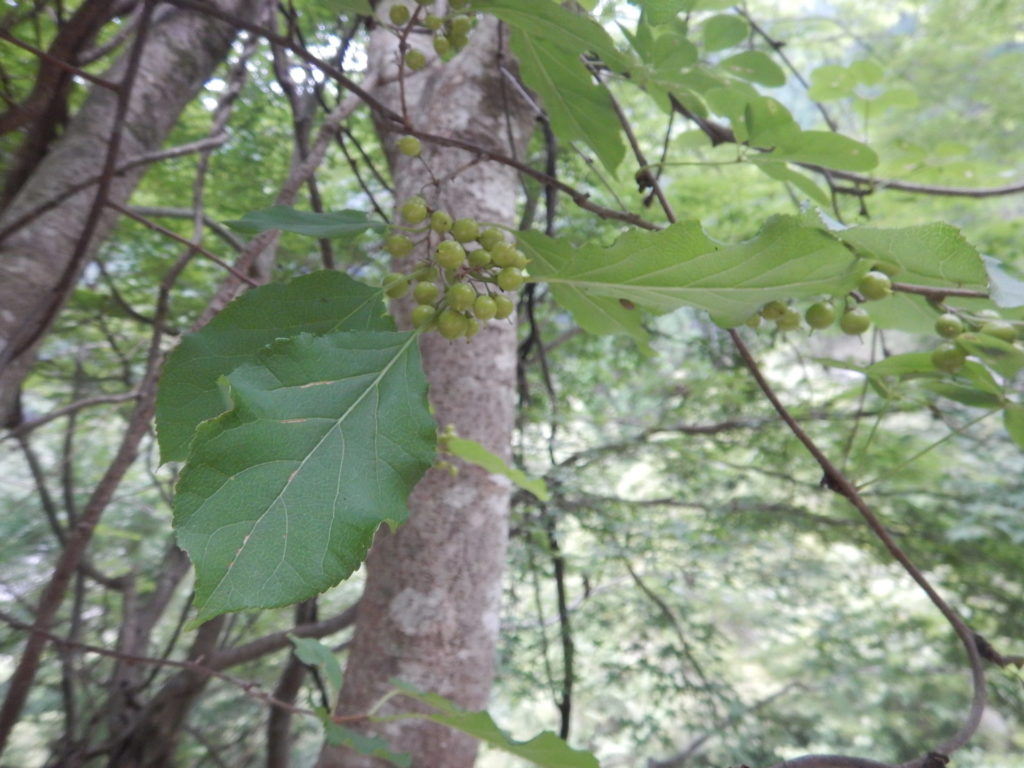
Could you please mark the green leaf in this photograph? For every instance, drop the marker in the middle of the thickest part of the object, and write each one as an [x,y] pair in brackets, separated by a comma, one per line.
[339,736]
[732,102]
[756,67]
[280,497]
[681,266]
[929,254]
[574,33]
[314,653]
[910,364]
[474,453]
[672,52]
[1013,419]
[1006,290]
[867,72]
[966,395]
[1004,358]
[343,224]
[782,172]
[545,750]
[831,150]
[599,315]
[899,97]
[658,12]
[768,122]
[724,31]
[578,109]
[352,6]
[831,82]
[315,303]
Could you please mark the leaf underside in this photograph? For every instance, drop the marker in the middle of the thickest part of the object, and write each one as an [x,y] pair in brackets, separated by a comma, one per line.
[281,495]
[316,303]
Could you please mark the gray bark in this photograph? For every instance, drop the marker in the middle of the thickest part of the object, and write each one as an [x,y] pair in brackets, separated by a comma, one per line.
[430,611]
[41,261]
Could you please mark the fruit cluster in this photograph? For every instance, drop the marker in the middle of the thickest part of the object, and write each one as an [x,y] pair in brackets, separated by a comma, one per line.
[855,320]
[949,356]
[451,32]
[459,284]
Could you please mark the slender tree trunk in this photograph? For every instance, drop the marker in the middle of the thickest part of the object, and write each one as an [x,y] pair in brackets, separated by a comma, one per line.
[41,257]
[430,611]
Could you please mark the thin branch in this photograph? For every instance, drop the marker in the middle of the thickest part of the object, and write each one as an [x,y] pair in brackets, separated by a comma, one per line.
[838,482]
[184,241]
[133,162]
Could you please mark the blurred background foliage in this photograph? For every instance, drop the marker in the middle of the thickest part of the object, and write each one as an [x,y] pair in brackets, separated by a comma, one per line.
[721,606]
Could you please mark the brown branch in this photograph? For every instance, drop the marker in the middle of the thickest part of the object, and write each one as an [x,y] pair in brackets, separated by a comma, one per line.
[722,134]
[838,482]
[184,241]
[27,426]
[36,326]
[134,162]
[937,293]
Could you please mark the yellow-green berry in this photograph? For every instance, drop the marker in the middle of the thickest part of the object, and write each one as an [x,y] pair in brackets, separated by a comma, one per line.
[450,254]
[399,15]
[504,307]
[409,145]
[485,307]
[440,221]
[460,296]
[425,293]
[510,279]
[415,60]
[423,315]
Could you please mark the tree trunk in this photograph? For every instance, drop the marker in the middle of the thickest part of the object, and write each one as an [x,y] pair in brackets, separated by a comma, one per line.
[41,259]
[430,611]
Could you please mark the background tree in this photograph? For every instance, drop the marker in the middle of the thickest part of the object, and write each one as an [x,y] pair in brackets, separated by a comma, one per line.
[684,588]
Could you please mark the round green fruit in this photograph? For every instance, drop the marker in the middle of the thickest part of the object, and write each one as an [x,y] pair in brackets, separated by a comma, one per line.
[461,25]
[948,325]
[460,296]
[754,321]
[399,15]
[478,258]
[433,22]
[875,285]
[423,316]
[521,260]
[773,310]
[855,321]
[415,60]
[485,307]
[789,321]
[450,254]
[441,46]
[510,279]
[472,327]
[820,315]
[465,230]
[398,245]
[1000,329]
[490,238]
[503,255]
[451,324]
[458,41]
[948,357]
[414,210]
[425,293]
[504,306]
[440,221]
[409,145]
